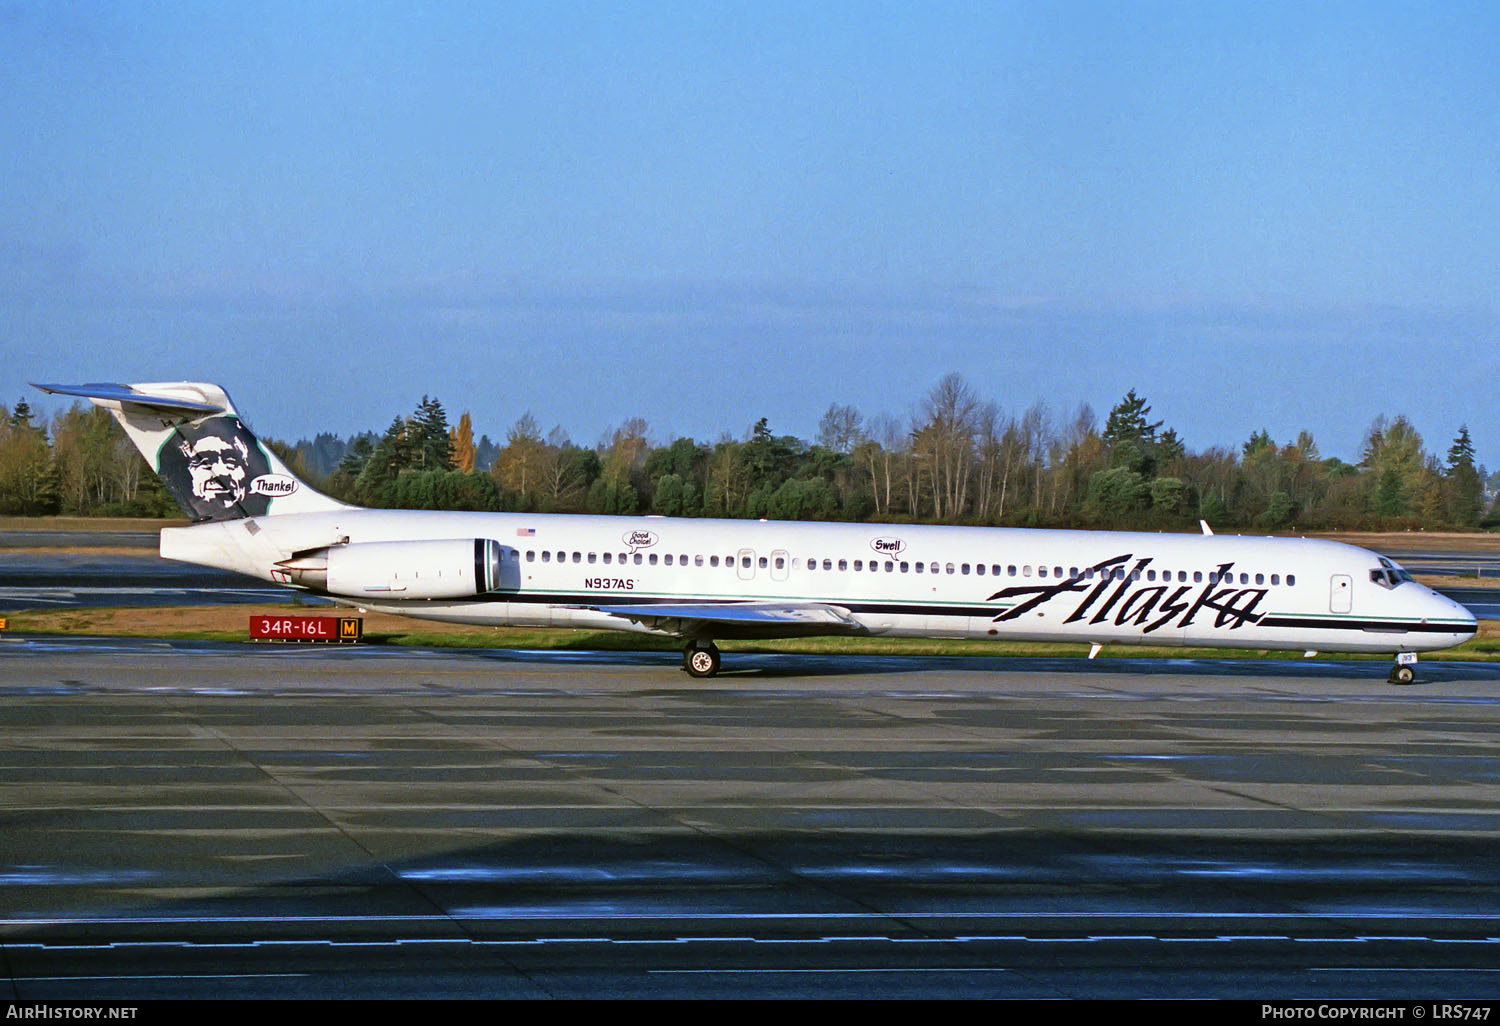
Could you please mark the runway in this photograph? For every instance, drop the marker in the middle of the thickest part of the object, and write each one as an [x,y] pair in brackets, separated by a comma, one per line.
[195,819]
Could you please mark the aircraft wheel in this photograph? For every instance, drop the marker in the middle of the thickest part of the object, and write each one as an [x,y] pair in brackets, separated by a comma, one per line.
[1402,675]
[701,661]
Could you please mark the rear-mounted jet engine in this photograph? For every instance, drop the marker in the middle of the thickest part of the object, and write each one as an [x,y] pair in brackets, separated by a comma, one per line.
[453,568]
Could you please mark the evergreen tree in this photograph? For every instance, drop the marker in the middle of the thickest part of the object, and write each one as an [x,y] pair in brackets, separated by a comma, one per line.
[1462,487]
[432,448]
[1127,422]
[392,454]
[1130,437]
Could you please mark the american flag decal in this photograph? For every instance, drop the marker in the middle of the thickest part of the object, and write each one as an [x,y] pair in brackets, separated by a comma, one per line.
[525,532]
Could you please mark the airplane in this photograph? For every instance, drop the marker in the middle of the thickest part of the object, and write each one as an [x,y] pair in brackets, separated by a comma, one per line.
[700,581]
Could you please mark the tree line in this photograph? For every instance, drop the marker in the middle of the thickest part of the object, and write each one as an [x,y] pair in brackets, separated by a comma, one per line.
[957,458]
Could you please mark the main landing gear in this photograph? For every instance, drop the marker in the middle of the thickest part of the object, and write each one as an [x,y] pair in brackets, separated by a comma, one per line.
[700,659]
[1404,670]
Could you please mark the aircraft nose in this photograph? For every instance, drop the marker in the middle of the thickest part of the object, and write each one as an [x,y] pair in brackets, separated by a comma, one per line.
[1445,609]
[1471,622]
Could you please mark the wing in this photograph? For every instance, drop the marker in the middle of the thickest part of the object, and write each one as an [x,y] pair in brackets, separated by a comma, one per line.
[743,620]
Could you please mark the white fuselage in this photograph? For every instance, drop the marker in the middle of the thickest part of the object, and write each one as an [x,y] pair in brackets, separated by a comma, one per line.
[970,582]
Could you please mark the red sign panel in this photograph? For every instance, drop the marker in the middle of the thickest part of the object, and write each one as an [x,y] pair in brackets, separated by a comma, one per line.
[306,628]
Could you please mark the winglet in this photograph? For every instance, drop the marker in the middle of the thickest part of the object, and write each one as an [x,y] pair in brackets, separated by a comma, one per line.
[1206,529]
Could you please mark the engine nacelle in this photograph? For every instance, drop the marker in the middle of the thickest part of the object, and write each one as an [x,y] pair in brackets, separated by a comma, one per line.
[452,568]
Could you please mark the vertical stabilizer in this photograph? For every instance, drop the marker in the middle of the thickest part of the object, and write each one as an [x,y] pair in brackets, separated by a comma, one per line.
[210,462]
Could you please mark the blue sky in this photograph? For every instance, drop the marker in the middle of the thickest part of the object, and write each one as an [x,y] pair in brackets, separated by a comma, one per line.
[1277,216]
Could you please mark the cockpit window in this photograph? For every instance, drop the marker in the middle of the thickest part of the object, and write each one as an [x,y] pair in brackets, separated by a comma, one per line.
[1389,575]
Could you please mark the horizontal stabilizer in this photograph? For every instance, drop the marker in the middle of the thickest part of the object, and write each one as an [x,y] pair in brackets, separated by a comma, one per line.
[128,394]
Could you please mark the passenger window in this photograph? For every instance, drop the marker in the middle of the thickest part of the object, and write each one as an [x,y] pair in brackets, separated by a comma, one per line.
[780,562]
[843,564]
[964,569]
[745,562]
[1041,571]
[1010,571]
[1026,570]
[979,569]
[593,557]
[651,559]
[919,568]
[859,564]
[762,562]
[948,568]
[1291,579]
[667,559]
[546,556]
[905,567]
[697,560]
[995,569]
[531,555]
[638,559]
[1260,578]
[889,566]
[713,560]
[1197,576]
[1275,580]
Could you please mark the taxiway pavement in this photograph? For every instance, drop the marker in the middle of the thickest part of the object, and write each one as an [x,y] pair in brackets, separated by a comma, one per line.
[195,819]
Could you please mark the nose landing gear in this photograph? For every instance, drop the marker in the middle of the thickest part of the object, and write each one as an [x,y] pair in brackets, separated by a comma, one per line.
[1404,670]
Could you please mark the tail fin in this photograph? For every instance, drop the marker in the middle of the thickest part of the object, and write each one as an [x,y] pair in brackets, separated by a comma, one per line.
[192,437]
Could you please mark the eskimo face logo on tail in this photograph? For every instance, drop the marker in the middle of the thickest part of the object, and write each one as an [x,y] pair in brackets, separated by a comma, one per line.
[1120,596]
[216,470]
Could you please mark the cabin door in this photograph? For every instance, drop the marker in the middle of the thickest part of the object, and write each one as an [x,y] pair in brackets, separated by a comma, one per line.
[746,564]
[1341,594]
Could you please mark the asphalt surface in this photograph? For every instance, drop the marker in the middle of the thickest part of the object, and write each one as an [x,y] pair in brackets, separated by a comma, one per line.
[199,820]
[50,580]
[193,819]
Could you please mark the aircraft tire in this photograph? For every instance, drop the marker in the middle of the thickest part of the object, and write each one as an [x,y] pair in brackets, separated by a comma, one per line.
[1402,675]
[701,661]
